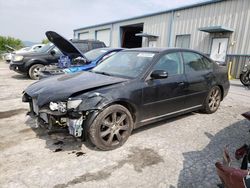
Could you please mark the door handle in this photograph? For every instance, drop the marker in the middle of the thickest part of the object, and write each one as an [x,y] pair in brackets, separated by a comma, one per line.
[181,84]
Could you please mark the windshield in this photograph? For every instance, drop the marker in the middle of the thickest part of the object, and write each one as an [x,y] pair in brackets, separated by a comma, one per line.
[93,54]
[45,48]
[126,64]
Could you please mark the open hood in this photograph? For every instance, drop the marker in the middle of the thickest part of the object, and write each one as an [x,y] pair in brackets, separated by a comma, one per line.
[64,45]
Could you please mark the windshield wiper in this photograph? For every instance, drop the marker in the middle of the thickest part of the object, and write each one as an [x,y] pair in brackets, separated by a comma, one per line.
[100,72]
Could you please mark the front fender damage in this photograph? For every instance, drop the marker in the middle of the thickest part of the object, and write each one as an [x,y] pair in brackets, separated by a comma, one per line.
[95,101]
[80,118]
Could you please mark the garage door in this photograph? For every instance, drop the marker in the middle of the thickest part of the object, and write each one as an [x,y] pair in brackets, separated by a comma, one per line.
[104,36]
[84,36]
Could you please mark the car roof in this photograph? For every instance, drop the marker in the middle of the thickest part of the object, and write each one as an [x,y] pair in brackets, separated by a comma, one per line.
[147,49]
[110,49]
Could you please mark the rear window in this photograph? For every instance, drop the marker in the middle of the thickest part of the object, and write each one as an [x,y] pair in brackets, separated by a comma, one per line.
[83,47]
[98,45]
[195,62]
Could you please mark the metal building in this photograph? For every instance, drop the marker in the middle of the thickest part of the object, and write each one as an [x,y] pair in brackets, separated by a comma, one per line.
[219,28]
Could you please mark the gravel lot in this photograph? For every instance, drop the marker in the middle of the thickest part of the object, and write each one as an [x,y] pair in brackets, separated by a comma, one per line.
[179,152]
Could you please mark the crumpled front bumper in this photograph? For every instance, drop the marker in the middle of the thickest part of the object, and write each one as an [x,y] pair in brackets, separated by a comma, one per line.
[52,120]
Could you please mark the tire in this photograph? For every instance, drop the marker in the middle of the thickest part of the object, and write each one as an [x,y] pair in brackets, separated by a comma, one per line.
[111,128]
[34,71]
[212,101]
[244,78]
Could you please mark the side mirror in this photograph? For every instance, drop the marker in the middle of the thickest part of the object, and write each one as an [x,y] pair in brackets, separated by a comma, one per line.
[159,74]
[52,52]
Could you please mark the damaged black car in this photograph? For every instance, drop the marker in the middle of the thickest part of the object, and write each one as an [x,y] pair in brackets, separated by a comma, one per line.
[130,89]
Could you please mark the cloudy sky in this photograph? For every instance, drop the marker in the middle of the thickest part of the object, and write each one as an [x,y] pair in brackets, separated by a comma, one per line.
[29,19]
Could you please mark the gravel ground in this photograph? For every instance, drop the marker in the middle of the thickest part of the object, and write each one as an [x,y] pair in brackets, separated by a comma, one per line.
[179,152]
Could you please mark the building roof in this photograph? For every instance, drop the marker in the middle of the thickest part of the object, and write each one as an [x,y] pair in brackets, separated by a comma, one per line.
[153,14]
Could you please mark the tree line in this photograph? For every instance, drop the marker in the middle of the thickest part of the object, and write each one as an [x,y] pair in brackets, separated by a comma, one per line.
[6,42]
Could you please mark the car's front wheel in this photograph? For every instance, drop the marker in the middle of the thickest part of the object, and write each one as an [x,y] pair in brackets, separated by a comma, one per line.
[213,100]
[111,128]
[34,71]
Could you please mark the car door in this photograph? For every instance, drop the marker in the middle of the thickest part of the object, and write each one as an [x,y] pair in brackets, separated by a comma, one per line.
[199,74]
[164,96]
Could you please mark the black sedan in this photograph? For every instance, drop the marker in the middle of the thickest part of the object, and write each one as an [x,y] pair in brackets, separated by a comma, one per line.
[130,89]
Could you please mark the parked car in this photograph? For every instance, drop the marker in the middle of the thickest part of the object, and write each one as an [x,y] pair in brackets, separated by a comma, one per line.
[82,63]
[31,63]
[131,88]
[7,55]
[33,48]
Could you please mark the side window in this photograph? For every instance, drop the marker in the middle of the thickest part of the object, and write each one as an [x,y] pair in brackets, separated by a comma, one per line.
[195,62]
[208,63]
[171,63]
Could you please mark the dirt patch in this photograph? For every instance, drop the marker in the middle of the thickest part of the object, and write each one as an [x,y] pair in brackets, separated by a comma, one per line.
[4,145]
[10,113]
[25,130]
[139,158]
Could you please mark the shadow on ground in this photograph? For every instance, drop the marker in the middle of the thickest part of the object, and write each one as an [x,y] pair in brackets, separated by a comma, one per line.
[20,77]
[162,122]
[64,142]
[198,166]
[245,87]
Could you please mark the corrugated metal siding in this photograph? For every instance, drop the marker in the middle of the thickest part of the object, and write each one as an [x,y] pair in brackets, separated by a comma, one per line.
[238,63]
[233,14]
[156,25]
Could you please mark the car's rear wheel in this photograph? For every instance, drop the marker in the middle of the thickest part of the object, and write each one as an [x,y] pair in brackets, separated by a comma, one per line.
[213,100]
[111,128]
[34,71]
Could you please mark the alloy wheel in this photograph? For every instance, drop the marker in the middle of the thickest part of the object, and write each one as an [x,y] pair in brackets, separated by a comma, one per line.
[214,99]
[114,128]
[36,72]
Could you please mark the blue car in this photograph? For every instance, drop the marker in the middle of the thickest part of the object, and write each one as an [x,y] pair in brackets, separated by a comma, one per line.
[68,64]
[94,57]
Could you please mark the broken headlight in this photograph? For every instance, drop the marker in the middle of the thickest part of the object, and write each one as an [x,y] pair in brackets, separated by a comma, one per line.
[60,106]
[72,104]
